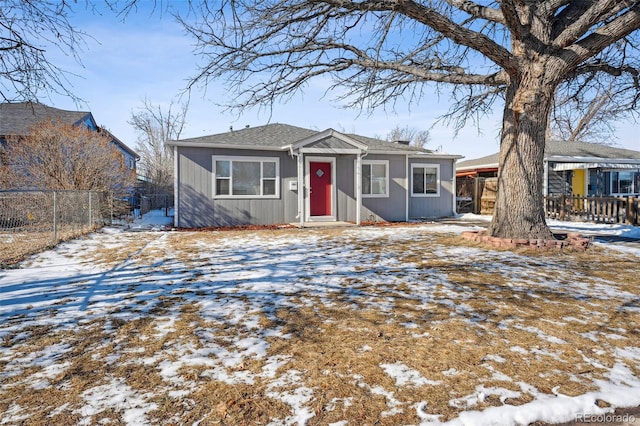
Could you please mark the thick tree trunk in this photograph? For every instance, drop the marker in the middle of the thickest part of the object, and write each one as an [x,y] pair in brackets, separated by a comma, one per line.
[519,208]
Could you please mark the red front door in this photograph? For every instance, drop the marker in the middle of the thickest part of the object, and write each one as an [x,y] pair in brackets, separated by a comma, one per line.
[320,189]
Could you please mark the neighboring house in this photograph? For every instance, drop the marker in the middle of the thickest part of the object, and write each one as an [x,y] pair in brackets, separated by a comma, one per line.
[17,118]
[278,174]
[575,168]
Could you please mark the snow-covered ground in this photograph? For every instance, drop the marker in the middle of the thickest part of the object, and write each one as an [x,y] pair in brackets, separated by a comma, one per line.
[585,228]
[175,312]
[154,220]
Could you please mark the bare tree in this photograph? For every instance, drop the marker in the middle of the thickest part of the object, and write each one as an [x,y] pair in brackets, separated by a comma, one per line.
[61,156]
[27,30]
[155,126]
[588,117]
[415,137]
[521,51]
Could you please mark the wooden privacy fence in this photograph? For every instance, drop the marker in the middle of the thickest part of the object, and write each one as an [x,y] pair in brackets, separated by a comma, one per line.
[594,209]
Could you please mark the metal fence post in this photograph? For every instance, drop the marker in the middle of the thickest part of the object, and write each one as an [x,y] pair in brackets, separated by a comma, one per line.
[55,217]
[90,212]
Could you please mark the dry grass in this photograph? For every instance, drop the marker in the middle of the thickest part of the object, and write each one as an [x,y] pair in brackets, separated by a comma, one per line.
[476,320]
[17,246]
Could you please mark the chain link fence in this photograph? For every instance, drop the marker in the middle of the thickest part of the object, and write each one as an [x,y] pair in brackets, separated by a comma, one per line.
[31,221]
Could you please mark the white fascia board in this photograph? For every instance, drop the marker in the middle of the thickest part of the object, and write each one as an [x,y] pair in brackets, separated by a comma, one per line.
[329,151]
[477,166]
[414,154]
[559,158]
[435,155]
[224,146]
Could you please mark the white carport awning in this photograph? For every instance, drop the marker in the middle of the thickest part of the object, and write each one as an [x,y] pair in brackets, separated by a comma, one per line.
[558,167]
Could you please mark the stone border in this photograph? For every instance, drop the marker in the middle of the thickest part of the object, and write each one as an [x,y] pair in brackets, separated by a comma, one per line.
[572,241]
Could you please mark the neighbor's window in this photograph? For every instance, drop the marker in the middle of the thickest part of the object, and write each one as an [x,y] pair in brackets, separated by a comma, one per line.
[425,180]
[623,182]
[245,177]
[375,178]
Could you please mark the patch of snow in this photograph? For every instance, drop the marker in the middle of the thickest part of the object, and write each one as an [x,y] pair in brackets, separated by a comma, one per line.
[117,396]
[333,404]
[154,220]
[496,358]
[40,380]
[480,395]
[425,417]
[451,372]
[519,350]
[296,398]
[405,376]
[14,414]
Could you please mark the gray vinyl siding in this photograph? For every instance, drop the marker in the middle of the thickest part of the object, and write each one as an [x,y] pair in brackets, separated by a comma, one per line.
[385,209]
[198,208]
[433,207]
[557,182]
[391,208]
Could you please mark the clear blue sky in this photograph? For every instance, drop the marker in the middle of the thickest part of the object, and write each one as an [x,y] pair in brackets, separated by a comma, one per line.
[148,55]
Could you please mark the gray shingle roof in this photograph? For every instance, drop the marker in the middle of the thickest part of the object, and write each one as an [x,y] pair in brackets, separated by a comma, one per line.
[18,118]
[583,149]
[270,135]
[562,149]
[277,135]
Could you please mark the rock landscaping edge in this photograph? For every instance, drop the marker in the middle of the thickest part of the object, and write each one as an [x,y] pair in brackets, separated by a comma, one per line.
[561,241]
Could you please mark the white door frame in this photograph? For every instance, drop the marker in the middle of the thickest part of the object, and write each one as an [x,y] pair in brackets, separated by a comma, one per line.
[308,161]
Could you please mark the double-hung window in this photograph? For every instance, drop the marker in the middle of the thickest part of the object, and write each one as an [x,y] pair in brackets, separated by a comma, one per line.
[425,180]
[246,177]
[375,178]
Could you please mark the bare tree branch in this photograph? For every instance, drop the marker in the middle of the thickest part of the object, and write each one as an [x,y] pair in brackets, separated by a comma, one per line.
[26,28]
[478,11]
[156,125]
[603,37]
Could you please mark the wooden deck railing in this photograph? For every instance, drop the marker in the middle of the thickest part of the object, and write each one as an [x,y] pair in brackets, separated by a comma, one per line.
[594,209]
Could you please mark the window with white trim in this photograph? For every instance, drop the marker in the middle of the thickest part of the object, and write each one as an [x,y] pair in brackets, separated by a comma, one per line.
[425,180]
[623,183]
[246,177]
[375,178]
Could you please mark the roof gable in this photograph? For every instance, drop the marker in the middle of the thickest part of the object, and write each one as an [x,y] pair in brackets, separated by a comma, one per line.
[330,140]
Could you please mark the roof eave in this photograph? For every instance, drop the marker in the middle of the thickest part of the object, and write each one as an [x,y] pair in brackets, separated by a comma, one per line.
[224,146]
[577,159]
